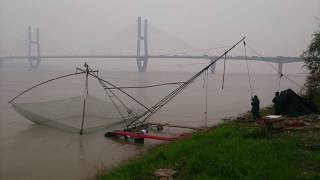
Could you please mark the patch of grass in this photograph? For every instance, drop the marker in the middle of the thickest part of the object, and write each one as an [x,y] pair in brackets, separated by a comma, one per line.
[263,112]
[317,101]
[228,151]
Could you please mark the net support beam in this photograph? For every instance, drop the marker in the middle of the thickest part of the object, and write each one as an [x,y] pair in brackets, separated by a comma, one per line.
[86,92]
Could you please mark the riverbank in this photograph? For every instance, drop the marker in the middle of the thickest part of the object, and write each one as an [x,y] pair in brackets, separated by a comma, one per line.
[232,150]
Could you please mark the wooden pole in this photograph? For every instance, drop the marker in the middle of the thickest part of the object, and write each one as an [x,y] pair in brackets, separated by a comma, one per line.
[85,98]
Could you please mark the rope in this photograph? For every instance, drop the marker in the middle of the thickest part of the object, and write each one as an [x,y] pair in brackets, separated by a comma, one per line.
[279,82]
[224,70]
[137,101]
[205,85]
[104,86]
[44,82]
[148,86]
[272,67]
[175,92]
[248,72]
[196,50]
[112,101]
[204,79]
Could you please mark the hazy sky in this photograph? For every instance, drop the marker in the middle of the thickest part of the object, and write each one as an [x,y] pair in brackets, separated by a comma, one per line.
[275,27]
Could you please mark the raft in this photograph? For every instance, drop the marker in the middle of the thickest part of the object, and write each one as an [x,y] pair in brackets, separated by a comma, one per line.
[138,136]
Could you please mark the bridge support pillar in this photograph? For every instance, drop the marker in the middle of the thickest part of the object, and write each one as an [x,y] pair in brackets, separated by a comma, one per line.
[142,60]
[213,67]
[280,69]
[1,62]
[36,42]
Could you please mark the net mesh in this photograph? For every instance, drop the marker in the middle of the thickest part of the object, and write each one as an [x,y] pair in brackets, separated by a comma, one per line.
[67,114]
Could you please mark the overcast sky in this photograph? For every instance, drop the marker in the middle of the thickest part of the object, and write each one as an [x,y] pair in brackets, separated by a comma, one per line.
[274,27]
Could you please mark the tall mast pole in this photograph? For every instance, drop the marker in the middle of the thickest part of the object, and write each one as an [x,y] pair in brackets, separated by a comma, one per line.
[86,92]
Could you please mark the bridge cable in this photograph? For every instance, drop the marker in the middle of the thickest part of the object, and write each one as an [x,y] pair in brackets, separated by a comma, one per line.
[247,64]
[285,76]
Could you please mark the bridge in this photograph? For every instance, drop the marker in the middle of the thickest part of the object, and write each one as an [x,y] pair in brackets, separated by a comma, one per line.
[142,56]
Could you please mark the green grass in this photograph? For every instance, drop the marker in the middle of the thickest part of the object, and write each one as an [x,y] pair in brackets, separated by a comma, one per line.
[229,151]
[263,112]
[316,101]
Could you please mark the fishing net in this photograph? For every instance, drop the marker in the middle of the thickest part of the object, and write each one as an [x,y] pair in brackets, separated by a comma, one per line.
[85,113]
[67,114]
[102,108]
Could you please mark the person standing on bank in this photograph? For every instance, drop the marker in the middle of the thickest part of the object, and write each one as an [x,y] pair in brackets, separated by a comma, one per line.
[255,107]
[277,104]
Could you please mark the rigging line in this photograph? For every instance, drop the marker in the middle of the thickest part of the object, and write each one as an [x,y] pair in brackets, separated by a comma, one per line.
[167,98]
[104,86]
[272,67]
[148,86]
[206,98]
[285,76]
[204,79]
[187,64]
[152,66]
[297,84]
[210,49]
[195,50]
[279,83]
[137,101]
[224,70]
[248,72]
[112,101]
[121,102]
[44,82]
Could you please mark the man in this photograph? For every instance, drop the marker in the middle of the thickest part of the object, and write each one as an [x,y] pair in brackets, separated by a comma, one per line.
[255,107]
[277,104]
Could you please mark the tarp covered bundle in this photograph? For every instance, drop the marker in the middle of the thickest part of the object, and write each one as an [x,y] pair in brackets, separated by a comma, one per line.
[295,105]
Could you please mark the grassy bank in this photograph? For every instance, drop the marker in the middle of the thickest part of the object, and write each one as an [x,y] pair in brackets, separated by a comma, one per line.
[230,151]
[316,101]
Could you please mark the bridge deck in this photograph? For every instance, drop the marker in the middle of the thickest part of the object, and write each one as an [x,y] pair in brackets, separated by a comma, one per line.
[278,59]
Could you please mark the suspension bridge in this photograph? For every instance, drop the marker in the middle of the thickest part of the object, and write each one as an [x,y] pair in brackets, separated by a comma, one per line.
[142,55]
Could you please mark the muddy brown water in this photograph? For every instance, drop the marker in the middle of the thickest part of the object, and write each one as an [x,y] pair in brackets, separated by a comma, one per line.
[31,151]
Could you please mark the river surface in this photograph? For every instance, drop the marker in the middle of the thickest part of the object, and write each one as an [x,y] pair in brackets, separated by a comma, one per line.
[30,151]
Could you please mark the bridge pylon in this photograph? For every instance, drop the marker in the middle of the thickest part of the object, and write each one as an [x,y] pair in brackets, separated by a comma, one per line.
[33,42]
[142,59]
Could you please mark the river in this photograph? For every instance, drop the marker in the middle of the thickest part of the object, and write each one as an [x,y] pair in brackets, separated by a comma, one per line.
[30,151]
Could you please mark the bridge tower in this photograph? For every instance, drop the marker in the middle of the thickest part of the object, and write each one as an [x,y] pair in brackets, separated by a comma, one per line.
[36,42]
[142,60]
[1,62]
